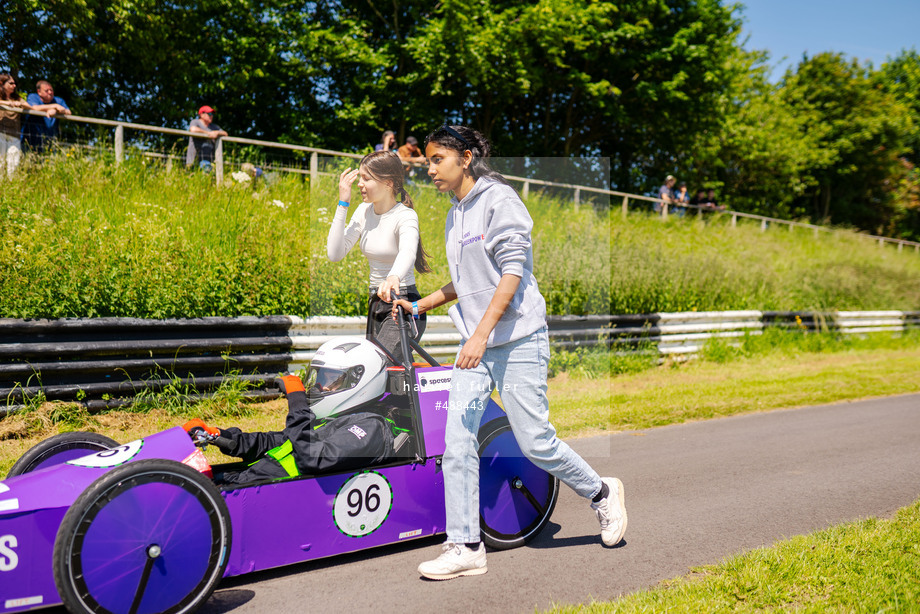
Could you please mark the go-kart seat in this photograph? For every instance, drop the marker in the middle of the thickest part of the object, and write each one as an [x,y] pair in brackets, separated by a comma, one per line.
[400,442]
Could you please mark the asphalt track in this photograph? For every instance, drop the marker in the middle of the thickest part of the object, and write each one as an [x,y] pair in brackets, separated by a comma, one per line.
[695,493]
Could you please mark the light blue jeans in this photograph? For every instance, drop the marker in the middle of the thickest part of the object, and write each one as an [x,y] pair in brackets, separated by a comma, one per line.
[518,371]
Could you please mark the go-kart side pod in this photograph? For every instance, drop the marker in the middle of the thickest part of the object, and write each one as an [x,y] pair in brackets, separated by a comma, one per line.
[147,537]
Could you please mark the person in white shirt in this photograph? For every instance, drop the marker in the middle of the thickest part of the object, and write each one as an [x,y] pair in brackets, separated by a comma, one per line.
[385,226]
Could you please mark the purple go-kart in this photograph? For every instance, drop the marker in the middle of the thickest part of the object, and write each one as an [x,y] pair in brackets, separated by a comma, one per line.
[142,527]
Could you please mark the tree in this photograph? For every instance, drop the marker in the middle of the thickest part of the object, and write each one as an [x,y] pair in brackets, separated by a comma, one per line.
[632,80]
[860,131]
[900,77]
[156,62]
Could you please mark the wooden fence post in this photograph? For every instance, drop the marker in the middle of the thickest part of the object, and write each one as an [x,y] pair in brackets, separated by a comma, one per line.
[526,191]
[119,144]
[734,220]
[625,206]
[314,168]
[577,198]
[219,161]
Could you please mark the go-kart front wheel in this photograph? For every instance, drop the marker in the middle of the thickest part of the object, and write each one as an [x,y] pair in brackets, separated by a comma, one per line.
[516,498]
[147,537]
[59,449]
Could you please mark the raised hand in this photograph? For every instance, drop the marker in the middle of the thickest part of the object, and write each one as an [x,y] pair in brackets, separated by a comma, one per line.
[346,179]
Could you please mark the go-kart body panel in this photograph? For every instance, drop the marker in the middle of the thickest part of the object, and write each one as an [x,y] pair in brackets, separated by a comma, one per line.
[292,521]
[273,523]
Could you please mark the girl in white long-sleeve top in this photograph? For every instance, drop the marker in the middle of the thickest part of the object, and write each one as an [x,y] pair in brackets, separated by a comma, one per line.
[385,227]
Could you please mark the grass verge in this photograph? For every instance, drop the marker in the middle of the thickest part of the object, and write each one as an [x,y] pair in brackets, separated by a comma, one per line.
[867,566]
[601,394]
[870,566]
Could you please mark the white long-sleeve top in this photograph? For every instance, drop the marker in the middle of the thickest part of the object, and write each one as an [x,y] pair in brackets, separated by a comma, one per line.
[388,241]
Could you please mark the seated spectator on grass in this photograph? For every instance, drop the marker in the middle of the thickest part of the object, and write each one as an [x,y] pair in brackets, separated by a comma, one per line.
[666,193]
[202,149]
[387,142]
[37,131]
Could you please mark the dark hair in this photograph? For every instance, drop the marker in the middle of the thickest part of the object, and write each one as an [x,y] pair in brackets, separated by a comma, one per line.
[387,167]
[462,139]
[412,140]
[4,77]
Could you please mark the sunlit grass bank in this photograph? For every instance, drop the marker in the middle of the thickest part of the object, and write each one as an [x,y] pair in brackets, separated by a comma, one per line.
[868,566]
[86,238]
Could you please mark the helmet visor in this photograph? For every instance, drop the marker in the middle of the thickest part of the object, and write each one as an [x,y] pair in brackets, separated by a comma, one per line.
[326,380]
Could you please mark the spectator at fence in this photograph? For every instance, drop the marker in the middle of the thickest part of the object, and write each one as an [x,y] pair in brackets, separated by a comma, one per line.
[386,228]
[202,149]
[706,199]
[700,198]
[411,154]
[665,193]
[681,199]
[10,122]
[712,201]
[387,142]
[37,131]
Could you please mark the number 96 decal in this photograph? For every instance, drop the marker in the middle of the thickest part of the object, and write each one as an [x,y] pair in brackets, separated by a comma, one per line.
[362,504]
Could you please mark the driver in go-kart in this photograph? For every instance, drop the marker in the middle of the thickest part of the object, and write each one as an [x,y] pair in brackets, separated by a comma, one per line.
[345,373]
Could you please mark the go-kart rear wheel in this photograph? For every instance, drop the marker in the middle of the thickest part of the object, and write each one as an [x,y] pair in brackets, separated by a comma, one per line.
[150,536]
[59,449]
[516,498]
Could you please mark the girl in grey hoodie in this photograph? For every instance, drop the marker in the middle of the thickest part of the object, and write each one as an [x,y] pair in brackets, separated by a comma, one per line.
[501,316]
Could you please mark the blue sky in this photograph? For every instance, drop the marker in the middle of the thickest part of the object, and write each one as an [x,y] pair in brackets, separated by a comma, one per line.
[864,29]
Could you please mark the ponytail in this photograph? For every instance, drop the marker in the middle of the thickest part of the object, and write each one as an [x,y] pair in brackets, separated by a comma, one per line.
[421,256]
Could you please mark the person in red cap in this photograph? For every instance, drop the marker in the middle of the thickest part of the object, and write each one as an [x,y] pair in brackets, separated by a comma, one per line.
[202,149]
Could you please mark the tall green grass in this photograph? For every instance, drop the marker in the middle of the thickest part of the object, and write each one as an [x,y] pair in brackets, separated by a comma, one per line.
[83,237]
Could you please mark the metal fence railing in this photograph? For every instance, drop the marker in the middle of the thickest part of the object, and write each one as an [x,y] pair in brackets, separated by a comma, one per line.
[313,171]
[102,362]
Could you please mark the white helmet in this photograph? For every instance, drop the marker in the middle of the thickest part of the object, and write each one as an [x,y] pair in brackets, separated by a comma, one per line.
[345,372]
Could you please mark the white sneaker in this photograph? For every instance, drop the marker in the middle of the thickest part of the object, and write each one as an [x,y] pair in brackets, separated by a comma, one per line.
[611,512]
[456,560]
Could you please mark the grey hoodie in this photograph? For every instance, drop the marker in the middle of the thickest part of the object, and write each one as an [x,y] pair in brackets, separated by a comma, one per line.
[487,236]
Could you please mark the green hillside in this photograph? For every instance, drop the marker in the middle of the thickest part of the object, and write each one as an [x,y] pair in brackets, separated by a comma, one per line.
[86,238]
